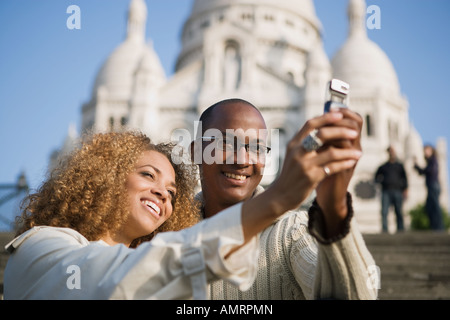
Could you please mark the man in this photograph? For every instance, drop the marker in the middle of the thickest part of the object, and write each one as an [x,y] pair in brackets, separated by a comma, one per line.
[292,265]
[394,187]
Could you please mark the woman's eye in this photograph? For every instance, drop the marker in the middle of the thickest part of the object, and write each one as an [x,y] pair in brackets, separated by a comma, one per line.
[148,174]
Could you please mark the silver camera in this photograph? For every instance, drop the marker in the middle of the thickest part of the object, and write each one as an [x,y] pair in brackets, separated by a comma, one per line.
[337,94]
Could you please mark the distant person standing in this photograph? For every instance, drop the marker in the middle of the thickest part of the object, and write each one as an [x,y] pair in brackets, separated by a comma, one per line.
[394,185]
[431,172]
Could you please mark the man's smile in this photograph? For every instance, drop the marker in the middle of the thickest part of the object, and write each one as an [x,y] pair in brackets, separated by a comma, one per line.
[235,176]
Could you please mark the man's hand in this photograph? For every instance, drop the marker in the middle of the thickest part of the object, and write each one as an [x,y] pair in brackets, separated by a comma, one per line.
[329,167]
[303,171]
[331,192]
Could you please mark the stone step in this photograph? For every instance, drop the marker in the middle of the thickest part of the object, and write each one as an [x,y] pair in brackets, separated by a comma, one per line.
[413,290]
[409,238]
[412,259]
[413,265]
[410,249]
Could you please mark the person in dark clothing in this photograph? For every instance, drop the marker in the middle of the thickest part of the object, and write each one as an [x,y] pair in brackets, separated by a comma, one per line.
[394,185]
[431,172]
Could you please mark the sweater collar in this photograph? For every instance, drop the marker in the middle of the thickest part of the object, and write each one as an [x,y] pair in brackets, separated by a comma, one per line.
[199,197]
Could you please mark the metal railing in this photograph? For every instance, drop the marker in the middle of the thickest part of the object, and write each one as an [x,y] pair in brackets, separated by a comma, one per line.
[8,193]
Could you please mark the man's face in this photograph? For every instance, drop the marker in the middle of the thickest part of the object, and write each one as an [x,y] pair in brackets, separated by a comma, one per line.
[233,176]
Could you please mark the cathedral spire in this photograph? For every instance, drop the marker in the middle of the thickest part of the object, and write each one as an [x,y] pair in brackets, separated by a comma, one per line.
[356,15]
[137,18]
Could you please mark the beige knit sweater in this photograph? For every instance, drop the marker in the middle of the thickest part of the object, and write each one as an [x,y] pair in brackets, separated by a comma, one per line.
[294,265]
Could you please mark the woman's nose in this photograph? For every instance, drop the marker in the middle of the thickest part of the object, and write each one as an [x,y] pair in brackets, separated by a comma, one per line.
[160,192]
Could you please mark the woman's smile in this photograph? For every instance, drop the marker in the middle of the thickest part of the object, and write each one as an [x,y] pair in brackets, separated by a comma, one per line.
[152,207]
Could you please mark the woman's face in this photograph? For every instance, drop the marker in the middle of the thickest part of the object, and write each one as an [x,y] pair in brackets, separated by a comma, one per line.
[151,189]
[428,151]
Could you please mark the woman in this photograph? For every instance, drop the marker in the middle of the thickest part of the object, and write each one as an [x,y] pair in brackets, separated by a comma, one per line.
[87,192]
[118,188]
[431,172]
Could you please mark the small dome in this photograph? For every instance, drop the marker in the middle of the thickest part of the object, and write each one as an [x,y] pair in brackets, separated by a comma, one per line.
[413,144]
[360,61]
[116,76]
[151,63]
[117,73]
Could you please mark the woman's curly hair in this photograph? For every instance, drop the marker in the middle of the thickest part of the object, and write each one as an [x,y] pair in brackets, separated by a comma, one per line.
[87,190]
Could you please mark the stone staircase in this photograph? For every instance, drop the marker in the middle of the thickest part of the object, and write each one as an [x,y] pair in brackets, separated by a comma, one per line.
[413,265]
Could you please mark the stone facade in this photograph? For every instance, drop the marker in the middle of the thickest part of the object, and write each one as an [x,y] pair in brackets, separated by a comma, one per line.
[269,52]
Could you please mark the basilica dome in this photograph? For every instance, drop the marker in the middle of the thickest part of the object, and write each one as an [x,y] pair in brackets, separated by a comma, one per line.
[303,8]
[117,74]
[360,61]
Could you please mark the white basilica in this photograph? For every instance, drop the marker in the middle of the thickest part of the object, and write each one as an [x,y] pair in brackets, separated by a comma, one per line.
[269,52]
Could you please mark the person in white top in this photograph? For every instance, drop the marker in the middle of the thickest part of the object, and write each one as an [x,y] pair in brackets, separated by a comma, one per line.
[83,234]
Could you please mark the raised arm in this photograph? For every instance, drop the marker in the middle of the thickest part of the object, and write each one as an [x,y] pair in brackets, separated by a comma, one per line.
[305,171]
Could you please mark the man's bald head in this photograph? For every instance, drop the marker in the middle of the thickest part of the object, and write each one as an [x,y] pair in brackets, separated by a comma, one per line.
[226,109]
[229,176]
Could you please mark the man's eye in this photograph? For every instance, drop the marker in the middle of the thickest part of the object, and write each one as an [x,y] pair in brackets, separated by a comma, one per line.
[258,148]
[228,144]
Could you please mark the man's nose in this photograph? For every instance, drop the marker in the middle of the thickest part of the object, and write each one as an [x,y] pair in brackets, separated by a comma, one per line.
[241,156]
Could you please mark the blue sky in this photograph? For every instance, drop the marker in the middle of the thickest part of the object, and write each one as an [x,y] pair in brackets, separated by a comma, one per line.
[47,71]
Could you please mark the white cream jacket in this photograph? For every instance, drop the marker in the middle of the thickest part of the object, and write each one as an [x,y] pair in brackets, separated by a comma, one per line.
[59,263]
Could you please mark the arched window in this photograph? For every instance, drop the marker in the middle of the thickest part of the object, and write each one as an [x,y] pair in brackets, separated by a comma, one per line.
[231,66]
[111,123]
[281,152]
[369,127]
[290,77]
[393,130]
